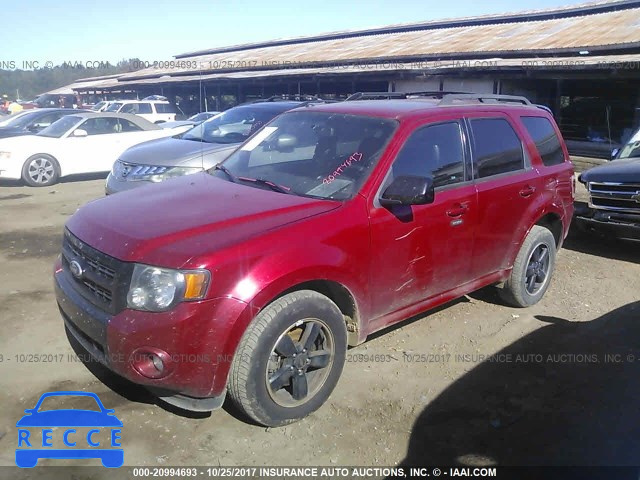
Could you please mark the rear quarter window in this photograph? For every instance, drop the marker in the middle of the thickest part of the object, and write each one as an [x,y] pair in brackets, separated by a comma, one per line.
[546,140]
[165,108]
[144,108]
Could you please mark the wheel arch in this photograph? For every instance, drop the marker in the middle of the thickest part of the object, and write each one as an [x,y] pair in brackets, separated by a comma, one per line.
[342,297]
[553,222]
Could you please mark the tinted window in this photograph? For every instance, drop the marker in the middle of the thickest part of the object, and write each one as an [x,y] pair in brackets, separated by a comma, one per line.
[127,126]
[100,126]
[546,139]
[435,151]
[114,107]
[497,147]
[144,108]
[165,108]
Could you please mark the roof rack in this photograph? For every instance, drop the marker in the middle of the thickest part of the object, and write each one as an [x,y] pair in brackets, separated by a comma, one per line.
[289,97]
[398,95]
[483,98]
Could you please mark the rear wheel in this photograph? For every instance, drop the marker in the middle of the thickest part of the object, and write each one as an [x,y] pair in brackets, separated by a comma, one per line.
[532,269]
[289,359]
[40,170]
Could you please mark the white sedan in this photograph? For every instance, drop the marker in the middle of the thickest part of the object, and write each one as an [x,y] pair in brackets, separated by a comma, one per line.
[79,143]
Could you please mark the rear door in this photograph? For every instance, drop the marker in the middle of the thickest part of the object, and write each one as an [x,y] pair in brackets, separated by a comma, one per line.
[507,186]
[420,251]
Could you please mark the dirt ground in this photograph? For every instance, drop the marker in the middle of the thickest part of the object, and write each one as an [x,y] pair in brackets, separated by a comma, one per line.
[560,389]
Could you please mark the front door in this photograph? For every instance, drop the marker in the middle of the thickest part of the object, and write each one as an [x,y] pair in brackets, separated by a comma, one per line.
[420,251]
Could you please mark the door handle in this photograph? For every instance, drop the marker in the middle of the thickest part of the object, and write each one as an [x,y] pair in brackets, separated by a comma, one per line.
[527,191]
[457,210]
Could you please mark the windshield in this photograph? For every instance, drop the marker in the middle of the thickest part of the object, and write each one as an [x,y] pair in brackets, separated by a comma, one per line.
[114,107]
[233,126]
[631,149]
[98,106]
[200,117]
[316,154]
[14,120]
[58,128]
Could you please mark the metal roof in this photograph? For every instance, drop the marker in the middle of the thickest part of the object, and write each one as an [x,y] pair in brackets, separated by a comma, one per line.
[523,16]
[605,32]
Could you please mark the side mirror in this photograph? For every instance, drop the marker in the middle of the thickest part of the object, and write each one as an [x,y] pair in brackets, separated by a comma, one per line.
[408,190]
[78,132]
[614,152]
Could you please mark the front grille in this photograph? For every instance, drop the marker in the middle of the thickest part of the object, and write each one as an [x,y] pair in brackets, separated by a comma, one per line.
[104,280]
[619,197]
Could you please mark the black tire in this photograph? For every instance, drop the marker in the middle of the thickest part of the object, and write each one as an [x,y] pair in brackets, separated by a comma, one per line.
[40,170]
[266,382]
[532,269]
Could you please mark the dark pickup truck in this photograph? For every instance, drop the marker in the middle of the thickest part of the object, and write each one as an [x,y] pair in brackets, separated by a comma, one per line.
[614,195]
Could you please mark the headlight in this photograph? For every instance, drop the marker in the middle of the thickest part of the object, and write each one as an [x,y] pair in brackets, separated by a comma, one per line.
[150,173]
[158,289]
[5,154]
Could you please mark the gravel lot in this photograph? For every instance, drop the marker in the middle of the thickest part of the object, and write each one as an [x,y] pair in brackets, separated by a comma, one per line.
[561,388]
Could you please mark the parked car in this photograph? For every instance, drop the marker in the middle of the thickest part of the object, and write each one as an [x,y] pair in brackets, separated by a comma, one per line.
[156,111]
[30,122]
[52,100]
[614,195]
[102,105]
[195,150]
[78,143]
[193,120]
[201,117]
[330,223]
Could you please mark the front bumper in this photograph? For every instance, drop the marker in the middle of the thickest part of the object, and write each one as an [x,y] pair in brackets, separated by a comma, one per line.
[194,340]
[607,223]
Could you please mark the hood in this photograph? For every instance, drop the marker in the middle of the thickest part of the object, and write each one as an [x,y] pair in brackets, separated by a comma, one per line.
[22,142]
[174,152]
[619,171]
[168,223]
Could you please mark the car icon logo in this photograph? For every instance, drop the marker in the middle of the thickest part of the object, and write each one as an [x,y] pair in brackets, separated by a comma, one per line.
[39,429]
[125,170]
[76,269]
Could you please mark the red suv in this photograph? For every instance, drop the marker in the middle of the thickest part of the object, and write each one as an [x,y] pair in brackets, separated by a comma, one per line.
[330,223]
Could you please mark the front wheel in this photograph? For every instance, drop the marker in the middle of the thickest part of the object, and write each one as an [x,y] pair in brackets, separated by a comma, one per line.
[532,269]
[40,170]
[289,359]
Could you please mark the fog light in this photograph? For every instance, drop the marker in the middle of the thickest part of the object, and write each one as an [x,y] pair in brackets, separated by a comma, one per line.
[151,362]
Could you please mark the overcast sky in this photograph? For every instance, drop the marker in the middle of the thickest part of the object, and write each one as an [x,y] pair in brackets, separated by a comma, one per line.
[153,30]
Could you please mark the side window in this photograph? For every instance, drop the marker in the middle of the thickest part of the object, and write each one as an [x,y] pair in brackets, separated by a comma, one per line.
[164,108]
[435,151]
[129,108]
[100,126]
[497,148]
[144,108]
[547,141]
[127,126]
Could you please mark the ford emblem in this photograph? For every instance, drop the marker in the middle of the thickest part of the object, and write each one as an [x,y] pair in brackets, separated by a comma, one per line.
[76,269]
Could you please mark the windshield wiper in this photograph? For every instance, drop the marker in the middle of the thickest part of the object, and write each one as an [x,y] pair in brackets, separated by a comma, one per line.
[224,169]
[274,186]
